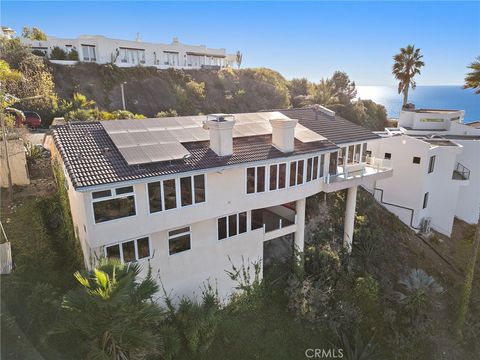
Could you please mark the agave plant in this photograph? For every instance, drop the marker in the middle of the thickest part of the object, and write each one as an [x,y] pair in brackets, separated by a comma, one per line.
[420,291]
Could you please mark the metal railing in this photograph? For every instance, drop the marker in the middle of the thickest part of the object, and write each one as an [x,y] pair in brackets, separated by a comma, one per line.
[461,172]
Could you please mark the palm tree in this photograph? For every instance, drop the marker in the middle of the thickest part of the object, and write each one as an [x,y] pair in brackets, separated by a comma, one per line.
[111,315]
[472,80]
[407,64]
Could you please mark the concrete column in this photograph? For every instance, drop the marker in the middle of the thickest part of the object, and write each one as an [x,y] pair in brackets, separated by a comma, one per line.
[349,221]
[300,233]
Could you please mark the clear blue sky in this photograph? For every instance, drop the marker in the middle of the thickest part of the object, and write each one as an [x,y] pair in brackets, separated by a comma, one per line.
[299,39]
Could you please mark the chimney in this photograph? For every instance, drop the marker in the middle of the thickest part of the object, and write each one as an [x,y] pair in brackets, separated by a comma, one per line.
[220,127]
[283,134]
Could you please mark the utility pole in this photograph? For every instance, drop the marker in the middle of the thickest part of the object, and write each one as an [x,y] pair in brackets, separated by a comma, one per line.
[123,94]
[7,157]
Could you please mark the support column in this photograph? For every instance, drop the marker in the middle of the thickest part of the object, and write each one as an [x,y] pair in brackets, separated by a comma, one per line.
[349,220]
[300,233]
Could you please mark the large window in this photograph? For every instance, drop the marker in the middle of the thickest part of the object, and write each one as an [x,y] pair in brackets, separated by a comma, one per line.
[132,56]
[169,194]
[232,225]
[364,152]
[88,53]
[256,179]
[179,240]
[431,164]
[332,166]
[171,58]
[356,157]
[128,251]
[108,205]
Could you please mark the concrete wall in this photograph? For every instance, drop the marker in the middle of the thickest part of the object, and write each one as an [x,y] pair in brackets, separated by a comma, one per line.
[468,203]
[18,163]
[410,181]
[430,120]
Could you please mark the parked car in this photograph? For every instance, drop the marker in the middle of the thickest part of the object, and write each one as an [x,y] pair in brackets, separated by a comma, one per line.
[32,119]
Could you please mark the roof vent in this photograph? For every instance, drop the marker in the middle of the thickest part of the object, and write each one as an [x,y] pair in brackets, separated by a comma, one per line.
[324,110]
[106,150]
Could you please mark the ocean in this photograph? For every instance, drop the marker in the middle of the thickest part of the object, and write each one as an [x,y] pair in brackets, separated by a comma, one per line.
[433,97]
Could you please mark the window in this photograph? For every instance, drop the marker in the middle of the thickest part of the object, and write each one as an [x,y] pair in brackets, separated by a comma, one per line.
[357,153]
[163,195]
[431,164]
[322,164]
[416,160]
[107,207]
[341,156]
[300,171]
[425,200]
[282,176]
[257,219]
[273,177]
[388,156]
[171,58]
[365,152]
[293,173]
[179,240]
[351,149]
[169,194]
[256,179]
[88,53]
[312,169]
[332,166]
[129,251]
[132,56]
[232,225]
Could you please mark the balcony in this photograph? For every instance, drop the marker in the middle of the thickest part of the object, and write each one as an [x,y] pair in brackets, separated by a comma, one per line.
[354,174]
[276,221]
[461,172]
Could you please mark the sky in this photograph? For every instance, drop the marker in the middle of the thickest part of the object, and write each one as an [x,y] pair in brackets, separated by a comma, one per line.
[298,39]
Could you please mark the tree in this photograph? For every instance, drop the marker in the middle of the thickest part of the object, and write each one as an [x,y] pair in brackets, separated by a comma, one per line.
[58,54]
[472,80]
[33,34]
[407,64]
[37,79]
[111,313]
[324,93]
[343,87]
[239,58]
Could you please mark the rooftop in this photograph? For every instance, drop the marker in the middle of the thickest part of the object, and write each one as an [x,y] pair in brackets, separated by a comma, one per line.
[91,157]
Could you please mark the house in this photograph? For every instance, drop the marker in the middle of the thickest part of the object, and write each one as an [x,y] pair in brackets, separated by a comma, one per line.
[193,195]
[125,53]
[436,162]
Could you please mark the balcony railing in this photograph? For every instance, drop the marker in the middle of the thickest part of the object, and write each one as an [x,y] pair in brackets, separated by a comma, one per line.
[461,172]
[372,165]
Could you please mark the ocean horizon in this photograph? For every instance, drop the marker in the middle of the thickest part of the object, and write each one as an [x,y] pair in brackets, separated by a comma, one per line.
[433,97]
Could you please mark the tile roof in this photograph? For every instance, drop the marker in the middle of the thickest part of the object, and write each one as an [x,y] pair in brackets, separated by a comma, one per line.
[91,158]
[334,128]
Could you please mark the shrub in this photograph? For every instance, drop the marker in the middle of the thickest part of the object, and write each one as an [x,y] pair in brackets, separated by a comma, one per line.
[167,113]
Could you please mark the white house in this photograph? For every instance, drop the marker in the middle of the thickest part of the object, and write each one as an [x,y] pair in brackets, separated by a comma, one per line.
[436,162]
[125,53]
[192,195]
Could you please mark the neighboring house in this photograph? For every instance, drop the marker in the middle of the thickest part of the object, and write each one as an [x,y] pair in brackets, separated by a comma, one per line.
[126,53]
[436,162]
[6,32]
[193,195]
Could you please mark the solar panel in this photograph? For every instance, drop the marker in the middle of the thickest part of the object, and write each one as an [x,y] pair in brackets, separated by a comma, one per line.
[159,139]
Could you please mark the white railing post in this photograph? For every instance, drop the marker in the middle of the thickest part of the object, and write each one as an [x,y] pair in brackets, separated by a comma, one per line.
[280,223]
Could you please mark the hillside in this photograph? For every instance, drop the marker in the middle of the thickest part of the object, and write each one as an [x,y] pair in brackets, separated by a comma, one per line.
[149,90]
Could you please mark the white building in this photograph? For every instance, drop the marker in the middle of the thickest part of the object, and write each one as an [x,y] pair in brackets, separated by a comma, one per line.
[192,195]
[436,162]
[125,53]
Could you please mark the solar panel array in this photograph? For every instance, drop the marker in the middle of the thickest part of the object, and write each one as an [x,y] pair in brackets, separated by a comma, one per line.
[153,140]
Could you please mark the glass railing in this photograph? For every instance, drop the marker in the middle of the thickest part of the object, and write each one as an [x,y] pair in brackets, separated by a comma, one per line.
[372,165]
